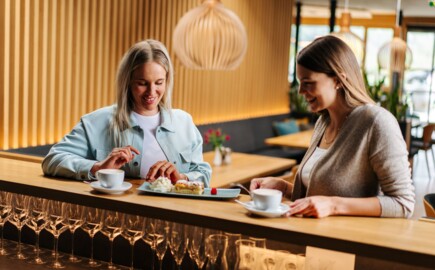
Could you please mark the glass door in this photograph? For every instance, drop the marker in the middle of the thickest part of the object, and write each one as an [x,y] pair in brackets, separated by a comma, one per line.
[419,81]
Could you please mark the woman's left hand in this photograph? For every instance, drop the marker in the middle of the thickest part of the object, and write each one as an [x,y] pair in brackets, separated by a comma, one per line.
[315,206]
[166,169]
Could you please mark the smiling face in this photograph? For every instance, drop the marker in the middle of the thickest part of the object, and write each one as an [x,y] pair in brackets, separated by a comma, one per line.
[319,90]
[148,86]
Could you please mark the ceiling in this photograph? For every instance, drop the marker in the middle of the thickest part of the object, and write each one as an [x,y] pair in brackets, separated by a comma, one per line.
[411,8]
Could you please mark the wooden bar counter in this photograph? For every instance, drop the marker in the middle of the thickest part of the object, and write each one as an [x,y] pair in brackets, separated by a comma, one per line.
[403,241]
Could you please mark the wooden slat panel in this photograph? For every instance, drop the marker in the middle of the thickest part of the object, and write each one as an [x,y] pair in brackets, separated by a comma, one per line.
[58,61]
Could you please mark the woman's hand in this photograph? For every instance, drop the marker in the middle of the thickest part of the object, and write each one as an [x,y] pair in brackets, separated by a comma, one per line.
[270,182]
[166,169]
[116,159]
[315,206]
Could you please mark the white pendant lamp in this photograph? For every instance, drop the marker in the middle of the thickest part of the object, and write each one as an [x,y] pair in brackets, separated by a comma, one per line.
[210,37]
[352,40]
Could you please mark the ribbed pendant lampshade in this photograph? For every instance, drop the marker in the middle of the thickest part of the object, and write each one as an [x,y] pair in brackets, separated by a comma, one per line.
[352,40]
[210,37]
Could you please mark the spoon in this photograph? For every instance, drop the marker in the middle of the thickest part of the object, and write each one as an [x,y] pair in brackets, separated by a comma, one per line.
[242,187]
[243,203]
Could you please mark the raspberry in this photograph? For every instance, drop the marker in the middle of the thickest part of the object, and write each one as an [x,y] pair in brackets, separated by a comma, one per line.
[213,191]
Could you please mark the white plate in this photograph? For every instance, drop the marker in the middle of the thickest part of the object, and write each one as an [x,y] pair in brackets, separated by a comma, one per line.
[222,193]
[282,209]
[125,186]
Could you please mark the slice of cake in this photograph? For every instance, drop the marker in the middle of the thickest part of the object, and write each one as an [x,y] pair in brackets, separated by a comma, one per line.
[189,187]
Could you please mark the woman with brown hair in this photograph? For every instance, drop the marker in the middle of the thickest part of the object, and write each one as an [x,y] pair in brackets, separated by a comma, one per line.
[357,163]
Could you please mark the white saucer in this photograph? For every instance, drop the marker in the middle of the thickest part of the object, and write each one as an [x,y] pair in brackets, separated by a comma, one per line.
[125,186]
[282,209]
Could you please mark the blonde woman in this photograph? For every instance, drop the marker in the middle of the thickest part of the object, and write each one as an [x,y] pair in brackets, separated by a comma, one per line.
[141,134]
[357,163]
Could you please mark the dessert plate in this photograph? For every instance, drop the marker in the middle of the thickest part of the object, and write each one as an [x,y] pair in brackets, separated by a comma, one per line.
[222,193]
[125,186]
[282,209]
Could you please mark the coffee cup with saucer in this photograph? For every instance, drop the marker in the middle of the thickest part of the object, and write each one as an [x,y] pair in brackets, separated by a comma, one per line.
[267,203]
[110,181]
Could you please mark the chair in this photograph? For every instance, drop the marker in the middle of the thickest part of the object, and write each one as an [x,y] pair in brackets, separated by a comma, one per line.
[425,144]
[429,204]
[290,177]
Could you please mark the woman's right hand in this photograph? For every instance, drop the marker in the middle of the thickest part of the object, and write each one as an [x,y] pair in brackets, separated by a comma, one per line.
[116,159]
[269,182]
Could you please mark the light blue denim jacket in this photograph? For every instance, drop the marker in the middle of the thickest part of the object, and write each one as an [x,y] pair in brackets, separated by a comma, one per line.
[90,141]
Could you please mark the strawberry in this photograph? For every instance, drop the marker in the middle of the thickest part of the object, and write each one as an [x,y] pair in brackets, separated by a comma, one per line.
[213,191]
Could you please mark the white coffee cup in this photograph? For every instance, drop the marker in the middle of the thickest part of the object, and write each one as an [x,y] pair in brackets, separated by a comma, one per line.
[110,178]
[267,199]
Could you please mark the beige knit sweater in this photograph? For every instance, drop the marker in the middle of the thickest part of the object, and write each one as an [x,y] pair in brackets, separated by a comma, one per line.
[368,158]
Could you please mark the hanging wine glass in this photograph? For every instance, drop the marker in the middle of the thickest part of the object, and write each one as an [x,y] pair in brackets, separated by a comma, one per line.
[178,242]
[132,230]
[245,254]
[92,223]
[196,248]
[37,221]
[154,234]
[231,250]
[216,248]
[18,218]
[73,215]
[56,225]
[112,227]
[162,245]
[259,242]
[5,211]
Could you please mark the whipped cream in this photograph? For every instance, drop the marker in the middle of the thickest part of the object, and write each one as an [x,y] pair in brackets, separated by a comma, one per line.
[162,184]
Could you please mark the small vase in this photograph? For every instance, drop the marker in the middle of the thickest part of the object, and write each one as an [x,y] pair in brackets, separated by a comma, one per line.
[217,161]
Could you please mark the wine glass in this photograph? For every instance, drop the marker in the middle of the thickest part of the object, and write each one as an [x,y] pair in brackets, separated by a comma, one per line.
[73,215]
[5,211]
[112,227]
[56,225]
[216,248]
[178,242]
[162,245]
[289,261]
[231,250]
[196,247]
[259,242]
[132,230]
[244,248]
[92,223]
[18,217]
[154,234]
[37,221]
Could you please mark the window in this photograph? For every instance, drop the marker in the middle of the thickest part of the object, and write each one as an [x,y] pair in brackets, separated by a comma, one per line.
[376,38]
[307,33]
[419,80]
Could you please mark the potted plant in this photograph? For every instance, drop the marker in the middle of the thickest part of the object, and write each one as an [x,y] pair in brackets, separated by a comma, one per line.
[298,105]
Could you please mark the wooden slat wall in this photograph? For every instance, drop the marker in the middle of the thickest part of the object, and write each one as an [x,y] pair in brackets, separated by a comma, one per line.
[58,61]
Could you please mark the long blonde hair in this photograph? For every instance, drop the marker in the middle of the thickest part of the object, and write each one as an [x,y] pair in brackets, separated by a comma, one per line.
[140,53]
[331,56]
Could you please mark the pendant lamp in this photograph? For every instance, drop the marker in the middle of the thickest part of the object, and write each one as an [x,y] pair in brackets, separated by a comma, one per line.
[210,37]
[395,55]
[352,40]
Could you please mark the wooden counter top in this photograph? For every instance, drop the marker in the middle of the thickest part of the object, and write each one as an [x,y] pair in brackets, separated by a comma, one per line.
[295,140]
[244,167]
[406,241]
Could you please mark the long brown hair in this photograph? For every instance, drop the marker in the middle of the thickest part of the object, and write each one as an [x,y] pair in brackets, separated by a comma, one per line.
[331,56]
[140,53]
